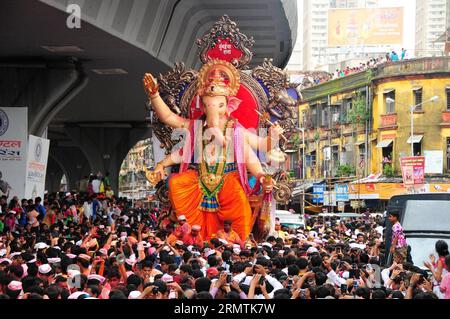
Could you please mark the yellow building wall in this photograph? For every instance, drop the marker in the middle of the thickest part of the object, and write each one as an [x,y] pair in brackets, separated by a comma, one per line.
[426,123]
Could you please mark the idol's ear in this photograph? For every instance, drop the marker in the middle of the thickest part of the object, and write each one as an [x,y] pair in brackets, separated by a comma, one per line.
[233,104]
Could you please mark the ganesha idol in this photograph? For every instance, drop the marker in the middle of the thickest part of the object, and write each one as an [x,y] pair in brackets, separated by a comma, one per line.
[218,189]
[220,110]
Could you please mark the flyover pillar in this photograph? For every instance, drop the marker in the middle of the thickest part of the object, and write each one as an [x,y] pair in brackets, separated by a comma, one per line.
[106,147]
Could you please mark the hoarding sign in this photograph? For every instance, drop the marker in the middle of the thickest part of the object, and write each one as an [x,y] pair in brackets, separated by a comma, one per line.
[413,170]
[36,167]
[342,192]
[13,150]
[318,191]
[365,26]
[434,162]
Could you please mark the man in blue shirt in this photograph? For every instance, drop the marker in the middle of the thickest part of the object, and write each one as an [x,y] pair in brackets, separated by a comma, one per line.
[40,209]
[394,56]
[95,207]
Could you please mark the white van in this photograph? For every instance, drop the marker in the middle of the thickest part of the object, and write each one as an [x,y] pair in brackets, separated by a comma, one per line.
[289,219]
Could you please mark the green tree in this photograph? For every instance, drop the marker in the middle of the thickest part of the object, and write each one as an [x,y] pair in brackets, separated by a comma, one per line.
[358,115]
[345,170]
[388,170]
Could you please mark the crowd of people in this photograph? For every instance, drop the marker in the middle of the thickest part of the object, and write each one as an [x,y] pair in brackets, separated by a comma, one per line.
[322,77]
[76,246]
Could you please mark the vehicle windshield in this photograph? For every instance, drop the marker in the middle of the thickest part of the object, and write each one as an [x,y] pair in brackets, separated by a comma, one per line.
[427,215]
[422,248]
[292,226]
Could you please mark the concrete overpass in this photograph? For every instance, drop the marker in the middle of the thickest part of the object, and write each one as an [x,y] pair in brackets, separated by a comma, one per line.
[83,86]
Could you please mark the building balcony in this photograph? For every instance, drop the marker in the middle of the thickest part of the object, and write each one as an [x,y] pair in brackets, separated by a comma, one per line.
[388,121]
[445,118]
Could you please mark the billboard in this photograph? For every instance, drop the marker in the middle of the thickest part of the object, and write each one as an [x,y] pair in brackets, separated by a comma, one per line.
[434,162]
[342,192]
[413,170]
[36,167]
[374,26]
[13,148]
[318,191]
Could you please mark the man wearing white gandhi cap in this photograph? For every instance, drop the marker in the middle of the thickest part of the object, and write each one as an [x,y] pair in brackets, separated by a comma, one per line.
[183,227]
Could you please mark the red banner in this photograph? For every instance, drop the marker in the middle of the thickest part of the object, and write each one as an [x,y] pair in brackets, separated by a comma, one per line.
[413,170]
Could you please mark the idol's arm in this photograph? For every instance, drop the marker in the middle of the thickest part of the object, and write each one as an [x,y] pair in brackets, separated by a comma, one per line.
[264,144]
[160,170]
[161,109]
[253,165]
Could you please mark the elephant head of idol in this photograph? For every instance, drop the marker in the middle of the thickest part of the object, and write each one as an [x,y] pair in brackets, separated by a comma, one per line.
[219,82]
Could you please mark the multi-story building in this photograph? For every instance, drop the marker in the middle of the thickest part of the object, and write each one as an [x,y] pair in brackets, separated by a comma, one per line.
[431,23]
[317,53]
[364,121]
[132,181]
[315,32]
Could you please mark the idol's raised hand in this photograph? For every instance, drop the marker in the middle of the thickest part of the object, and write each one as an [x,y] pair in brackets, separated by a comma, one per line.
[150,84]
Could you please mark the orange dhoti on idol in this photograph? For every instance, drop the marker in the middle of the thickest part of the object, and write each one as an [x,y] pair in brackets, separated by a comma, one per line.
[186,197]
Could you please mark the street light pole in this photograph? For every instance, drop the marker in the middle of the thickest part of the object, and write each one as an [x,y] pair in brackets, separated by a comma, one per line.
[412,109]
[302,129]
[412,130]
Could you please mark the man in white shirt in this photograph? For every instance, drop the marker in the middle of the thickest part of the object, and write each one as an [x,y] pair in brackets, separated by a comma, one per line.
[96,185]
[246,277]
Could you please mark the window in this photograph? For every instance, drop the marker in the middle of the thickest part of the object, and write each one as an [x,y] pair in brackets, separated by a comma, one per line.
[313,115]
[389,100]
[448,154]
[335,157]
[346,107]
[417,149]
[325,114]
[362,155]
[447,91]
[418,99]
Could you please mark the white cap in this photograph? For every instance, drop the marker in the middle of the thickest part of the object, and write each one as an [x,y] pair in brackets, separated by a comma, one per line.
[267,244]
[45,269]
[312,250]
[2,252]
[223,241]
[210,252]
[236,250]
[5,260]
[14,255]
[73,272]
[97,277]
[77,294]
[167,278]
[181,217]
[54,260]
[134,294]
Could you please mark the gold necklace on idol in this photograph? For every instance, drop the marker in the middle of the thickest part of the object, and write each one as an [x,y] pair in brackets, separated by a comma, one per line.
[211,177]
